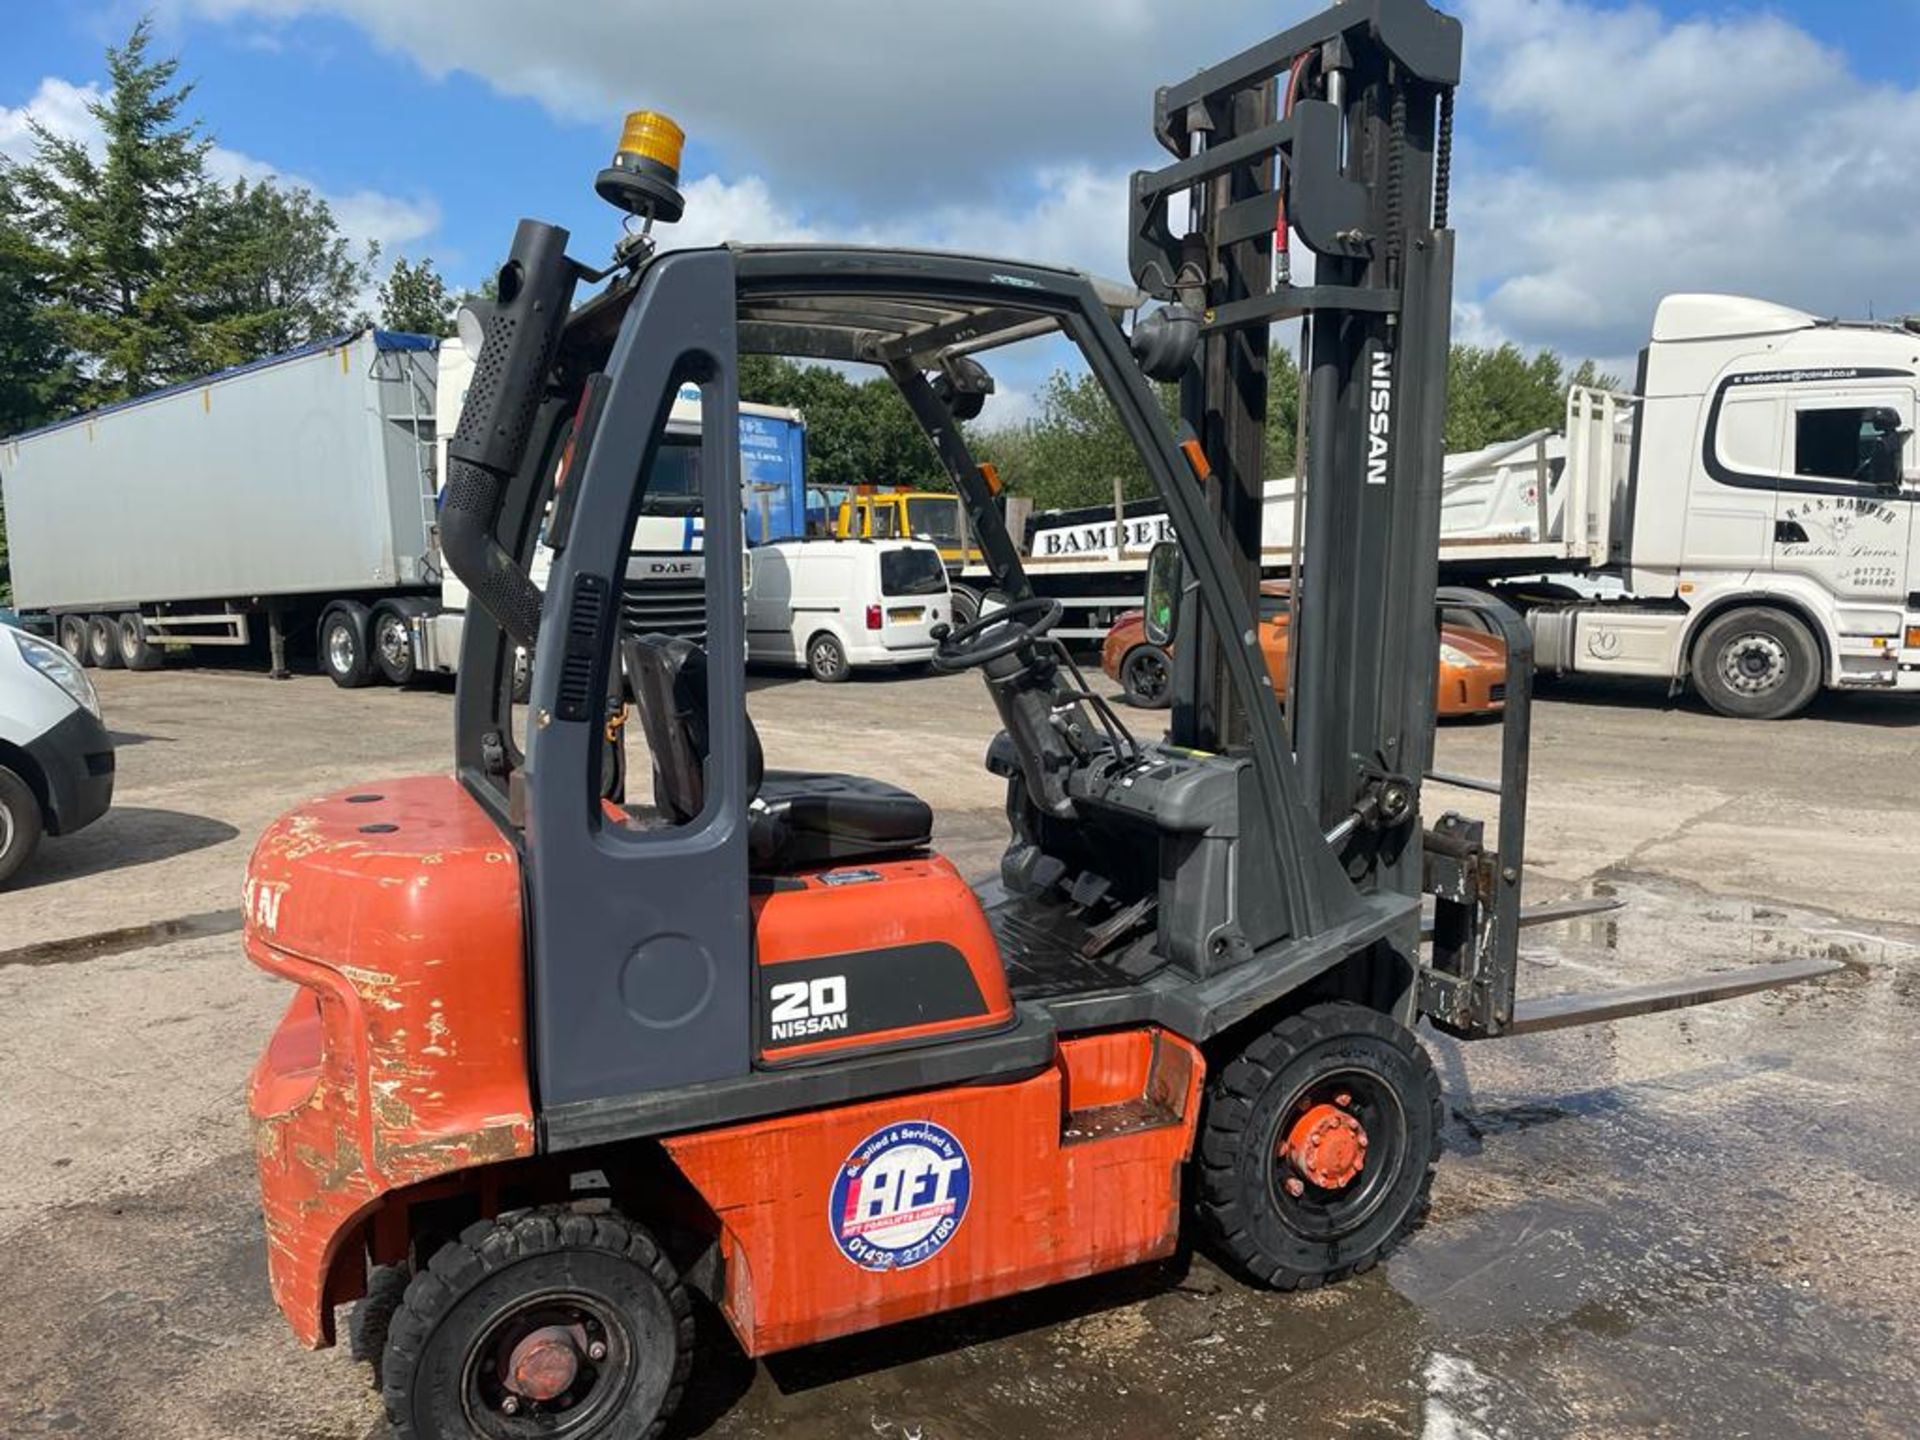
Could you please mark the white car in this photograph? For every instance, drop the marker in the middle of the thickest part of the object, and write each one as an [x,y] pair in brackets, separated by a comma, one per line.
[56,758]
[835,606]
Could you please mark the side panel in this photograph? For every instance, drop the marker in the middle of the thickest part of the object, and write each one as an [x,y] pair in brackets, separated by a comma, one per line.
[875,956]
[866,1215]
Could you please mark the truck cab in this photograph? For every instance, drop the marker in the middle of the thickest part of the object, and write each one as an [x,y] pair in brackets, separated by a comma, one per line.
[872,512]
[1760,507]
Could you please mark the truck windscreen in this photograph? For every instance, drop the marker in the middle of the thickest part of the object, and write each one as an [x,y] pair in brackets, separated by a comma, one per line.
[912,572]
[673,482]
[935,518]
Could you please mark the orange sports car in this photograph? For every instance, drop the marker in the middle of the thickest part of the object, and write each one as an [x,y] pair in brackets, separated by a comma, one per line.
[1473,664]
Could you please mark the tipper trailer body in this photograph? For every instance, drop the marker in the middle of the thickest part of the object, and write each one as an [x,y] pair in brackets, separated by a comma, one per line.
[265,492]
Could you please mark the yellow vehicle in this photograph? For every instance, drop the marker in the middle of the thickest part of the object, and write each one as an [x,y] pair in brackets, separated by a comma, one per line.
[895,512]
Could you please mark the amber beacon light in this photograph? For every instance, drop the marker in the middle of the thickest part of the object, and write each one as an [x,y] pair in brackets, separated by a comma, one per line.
[644,176]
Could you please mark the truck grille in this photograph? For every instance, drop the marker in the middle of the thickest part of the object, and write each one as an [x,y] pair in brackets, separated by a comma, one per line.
[665,607]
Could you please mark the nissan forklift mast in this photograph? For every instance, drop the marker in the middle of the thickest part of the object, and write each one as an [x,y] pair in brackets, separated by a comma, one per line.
[1336,130]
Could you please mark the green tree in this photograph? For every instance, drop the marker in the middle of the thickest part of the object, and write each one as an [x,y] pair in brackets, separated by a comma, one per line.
[1498,393]
[263,268]
[414,298]
[110,224]
[37,376]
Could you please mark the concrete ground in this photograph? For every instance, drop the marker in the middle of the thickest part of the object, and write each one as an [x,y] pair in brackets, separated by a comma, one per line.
[1693,1225]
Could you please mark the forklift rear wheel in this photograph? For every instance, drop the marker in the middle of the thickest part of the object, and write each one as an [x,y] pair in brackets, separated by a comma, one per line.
[548,1323]
[1320,1145]
[827,659]
[1147,677]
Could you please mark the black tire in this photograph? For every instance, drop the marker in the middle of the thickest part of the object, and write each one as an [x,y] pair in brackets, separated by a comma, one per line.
[136,651]
[966,607]
[827,659]
[391,638]
[1757,663]
[343,653]
[103,642]
[21,823]
[1303,1066]
[1146,674]
[72,633]
[509,1277]
[372,1318]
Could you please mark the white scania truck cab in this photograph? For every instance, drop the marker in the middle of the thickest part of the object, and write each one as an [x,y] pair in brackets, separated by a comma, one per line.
[1757,501]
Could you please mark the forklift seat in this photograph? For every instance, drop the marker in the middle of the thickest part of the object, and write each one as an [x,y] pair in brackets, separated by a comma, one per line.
[796,818]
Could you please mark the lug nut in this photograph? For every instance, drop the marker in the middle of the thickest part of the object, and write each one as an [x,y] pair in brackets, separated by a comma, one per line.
[1343,1100]
[510,1405]
[597,1350]
[1294,1187]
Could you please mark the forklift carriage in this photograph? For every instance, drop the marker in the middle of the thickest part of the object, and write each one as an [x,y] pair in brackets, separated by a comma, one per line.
[556,1061]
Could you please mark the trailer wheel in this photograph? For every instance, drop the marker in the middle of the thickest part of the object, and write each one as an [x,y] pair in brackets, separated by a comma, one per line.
[393,646]
[1757,663]
[103,642]
[541,1323]
[136,651]
[21,823]
[1319,1146]
[72,630]
[827,659]
[343,650]
[966,606]
[1147,677]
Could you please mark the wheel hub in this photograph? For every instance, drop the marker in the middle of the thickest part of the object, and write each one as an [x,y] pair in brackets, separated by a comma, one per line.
[546,1362]
[1327,1146]
[1754,664]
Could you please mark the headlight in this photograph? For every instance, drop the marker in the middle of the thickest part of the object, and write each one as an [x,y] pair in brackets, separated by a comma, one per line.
[61,668]
[1456,657]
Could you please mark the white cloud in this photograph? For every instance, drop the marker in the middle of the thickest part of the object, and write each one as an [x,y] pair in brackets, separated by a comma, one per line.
[894,104]
[1608,153]
[1630,156]
[60,106]
[365,216]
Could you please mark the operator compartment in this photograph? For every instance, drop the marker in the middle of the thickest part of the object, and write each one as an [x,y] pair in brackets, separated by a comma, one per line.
[881,955]
[1156,868]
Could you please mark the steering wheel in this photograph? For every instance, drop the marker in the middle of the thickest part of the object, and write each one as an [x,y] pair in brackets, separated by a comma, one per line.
[965,647]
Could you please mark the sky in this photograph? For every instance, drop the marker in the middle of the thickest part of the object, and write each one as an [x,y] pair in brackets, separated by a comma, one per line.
[1607,153]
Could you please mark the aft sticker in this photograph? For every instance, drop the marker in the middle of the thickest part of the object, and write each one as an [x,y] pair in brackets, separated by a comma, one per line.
[900,1196]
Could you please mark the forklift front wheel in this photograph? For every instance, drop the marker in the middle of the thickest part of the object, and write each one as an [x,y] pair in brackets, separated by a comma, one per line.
[543,1322]
[1319,1148]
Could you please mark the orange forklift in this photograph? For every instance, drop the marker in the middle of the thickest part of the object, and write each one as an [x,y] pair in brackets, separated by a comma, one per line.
[559,1059]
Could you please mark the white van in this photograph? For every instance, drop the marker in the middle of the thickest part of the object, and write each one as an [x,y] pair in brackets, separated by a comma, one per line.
[834,606]
[56,758]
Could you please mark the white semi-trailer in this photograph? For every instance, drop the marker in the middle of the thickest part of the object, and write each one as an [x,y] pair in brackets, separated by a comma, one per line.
[1747,521]
[297,492]
[300,494]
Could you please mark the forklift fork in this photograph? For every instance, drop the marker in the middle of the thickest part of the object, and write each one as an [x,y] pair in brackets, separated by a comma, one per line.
[1467,983]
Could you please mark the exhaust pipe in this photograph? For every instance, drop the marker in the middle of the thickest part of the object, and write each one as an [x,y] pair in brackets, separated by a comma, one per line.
[518,334]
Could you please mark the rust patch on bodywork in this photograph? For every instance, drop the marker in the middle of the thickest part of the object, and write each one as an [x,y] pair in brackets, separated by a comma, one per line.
[403,1055]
